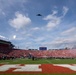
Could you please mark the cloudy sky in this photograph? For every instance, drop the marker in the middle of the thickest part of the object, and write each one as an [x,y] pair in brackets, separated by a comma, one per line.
[56,28]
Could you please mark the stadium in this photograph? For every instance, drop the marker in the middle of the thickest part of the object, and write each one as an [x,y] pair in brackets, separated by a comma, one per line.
[37,37]
[18,61]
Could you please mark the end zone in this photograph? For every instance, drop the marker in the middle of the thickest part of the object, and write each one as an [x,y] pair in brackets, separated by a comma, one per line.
[38,68]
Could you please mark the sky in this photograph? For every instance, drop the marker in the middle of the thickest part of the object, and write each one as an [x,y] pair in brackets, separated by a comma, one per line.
[55,29]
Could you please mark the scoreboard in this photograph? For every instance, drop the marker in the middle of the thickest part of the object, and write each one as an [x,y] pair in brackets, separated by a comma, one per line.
[42,48]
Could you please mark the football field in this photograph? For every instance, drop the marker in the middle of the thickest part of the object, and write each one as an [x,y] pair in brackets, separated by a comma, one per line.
[38,67]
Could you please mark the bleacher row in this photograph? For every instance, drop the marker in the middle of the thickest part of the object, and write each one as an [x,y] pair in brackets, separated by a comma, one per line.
[17,53]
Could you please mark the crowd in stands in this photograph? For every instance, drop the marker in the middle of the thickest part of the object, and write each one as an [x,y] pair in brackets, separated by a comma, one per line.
[7,51]
[17,53]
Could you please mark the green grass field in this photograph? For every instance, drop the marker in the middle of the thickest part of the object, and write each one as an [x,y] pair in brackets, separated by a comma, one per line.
[38,74]
[39,61]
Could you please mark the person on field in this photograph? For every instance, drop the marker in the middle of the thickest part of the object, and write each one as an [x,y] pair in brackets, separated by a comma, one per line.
[33,58]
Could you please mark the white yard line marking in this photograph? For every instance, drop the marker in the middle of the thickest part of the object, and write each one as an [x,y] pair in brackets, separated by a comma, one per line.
[49,61]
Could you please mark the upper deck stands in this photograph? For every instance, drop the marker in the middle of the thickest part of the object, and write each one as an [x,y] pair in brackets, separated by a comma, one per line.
[40,54]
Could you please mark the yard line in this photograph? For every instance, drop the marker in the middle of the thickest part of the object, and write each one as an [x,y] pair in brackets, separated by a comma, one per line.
[49,61]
